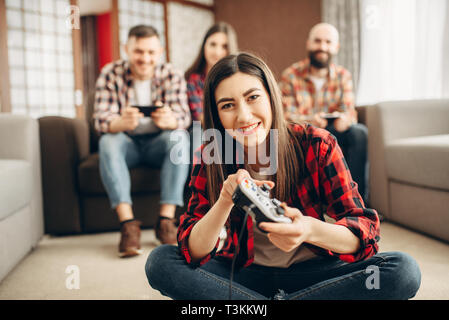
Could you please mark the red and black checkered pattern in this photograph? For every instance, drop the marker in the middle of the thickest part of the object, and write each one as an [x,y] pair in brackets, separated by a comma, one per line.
[326,188]
[195,89]
[299,96]
[114,90]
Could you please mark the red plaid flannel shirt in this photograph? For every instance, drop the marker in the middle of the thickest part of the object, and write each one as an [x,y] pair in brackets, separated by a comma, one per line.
[327,182]
[195,90]
[299,96]
[114,89]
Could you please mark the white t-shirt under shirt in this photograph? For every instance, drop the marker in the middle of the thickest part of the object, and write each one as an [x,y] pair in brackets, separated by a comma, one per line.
[318,83]
[142,97]
[267,254]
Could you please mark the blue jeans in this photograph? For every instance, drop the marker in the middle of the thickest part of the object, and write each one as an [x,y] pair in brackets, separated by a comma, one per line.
[389,275]
[120,152]
[354,144]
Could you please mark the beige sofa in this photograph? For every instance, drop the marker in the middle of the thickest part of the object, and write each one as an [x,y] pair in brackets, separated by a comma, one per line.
[409,163]
[21,217]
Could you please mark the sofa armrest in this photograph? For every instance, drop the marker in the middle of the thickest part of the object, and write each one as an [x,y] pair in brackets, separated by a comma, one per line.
[64,144]
[19,139]
[405,119]
[16,132]
[388,121]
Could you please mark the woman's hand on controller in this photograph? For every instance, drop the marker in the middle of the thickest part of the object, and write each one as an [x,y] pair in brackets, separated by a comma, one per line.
[288,236]
[233,180]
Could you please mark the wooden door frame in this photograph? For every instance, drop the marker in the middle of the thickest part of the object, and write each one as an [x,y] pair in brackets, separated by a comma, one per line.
[78,67]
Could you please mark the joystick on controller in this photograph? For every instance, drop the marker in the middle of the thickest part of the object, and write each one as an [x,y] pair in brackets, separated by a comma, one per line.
[256,201]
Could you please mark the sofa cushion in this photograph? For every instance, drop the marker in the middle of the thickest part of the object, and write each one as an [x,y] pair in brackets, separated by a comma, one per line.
[16,181]
[143,179]
[422,161]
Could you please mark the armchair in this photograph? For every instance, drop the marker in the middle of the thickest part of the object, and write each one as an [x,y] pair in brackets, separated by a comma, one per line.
[75,200]
[409,163]
[21,218]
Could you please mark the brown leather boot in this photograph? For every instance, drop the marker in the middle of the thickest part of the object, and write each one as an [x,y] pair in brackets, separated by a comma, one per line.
[166,230]
[130,239]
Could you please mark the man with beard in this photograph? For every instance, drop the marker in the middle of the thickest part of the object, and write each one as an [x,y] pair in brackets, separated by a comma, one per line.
[319,92]
[128,138]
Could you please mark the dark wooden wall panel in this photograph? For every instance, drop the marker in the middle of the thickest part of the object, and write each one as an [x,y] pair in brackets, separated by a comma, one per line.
[276,30]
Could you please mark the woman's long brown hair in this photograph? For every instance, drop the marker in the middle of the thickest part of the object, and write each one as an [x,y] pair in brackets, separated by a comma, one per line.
[289,152]
[199,65]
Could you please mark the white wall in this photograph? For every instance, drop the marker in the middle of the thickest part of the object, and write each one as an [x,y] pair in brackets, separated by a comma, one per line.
[187,27]
[40,57]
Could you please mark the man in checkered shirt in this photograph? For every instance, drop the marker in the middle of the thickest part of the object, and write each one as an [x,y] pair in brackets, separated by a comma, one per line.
[319,92]
[128,138]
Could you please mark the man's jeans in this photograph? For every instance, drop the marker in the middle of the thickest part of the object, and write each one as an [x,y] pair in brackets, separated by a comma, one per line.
[354,144]
[120,152]
[388,275]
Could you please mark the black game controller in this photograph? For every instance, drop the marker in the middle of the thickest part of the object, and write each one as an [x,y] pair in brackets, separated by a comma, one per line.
[147,110]
[256,201]
[328,116]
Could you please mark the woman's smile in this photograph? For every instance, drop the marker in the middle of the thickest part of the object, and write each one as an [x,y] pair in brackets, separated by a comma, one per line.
[248,130]
[244,108]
